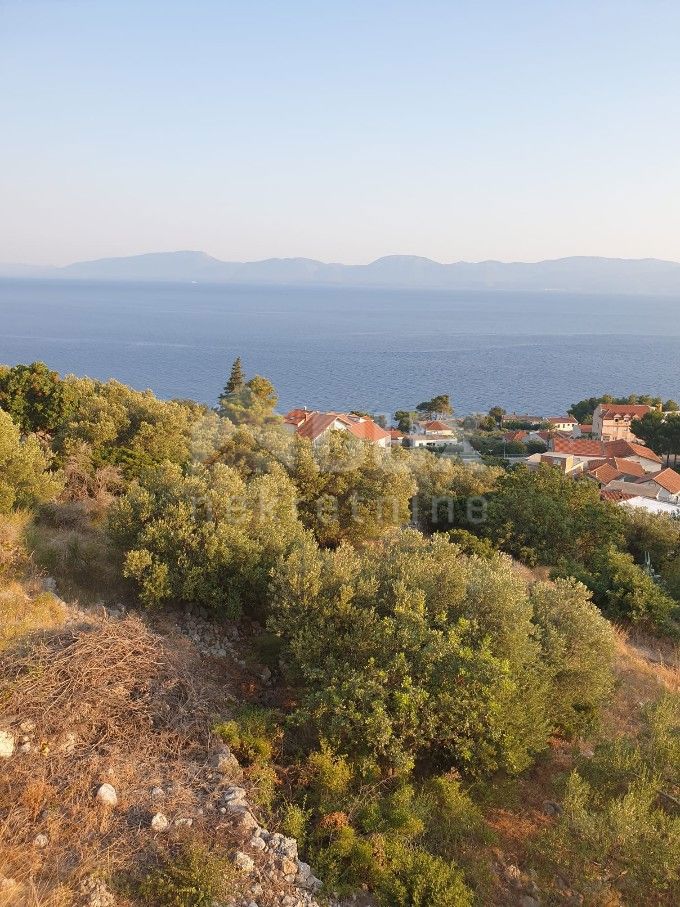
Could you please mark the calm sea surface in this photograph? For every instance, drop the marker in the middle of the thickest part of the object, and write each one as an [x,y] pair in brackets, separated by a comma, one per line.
[340,348]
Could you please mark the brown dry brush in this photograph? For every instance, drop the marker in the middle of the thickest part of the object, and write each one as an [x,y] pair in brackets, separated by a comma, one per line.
[110,703]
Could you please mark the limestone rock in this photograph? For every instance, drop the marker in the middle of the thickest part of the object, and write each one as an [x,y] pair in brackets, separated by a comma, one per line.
[6,744]
[243,861]
[160,822]
[107,796]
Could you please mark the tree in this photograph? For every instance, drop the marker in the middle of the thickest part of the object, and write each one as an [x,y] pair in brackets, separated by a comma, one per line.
[661,432]
[25,479]
[36,397]
[405,419]
[210,537]
[497,413]
[545,517]
[254,404]
[437,406]
[236,379]
[349,490]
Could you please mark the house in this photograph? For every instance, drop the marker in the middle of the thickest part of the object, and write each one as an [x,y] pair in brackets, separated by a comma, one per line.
[562,423]
[626,450]
[567,463]
[437,428]
[430,441]
[611,421]
[515,437]
[315,426]
[585,431]
[396,437]
[662,486]
[614,468]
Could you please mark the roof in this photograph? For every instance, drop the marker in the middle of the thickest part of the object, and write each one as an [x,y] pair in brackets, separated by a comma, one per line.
[608,494]
[436,426]
[605,449]
[366,430]
[625,467]
[667,478]
[316,424]
[605,473]
[396,435]
[629,449]
[651,505]
[562,419]
[586,429]
[624,409]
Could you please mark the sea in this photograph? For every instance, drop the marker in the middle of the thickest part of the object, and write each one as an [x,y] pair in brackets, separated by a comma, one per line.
[345,348]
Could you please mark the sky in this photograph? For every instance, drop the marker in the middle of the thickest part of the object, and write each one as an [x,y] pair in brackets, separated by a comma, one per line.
[341,131]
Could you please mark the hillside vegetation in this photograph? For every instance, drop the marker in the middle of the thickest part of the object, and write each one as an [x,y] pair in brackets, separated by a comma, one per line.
[431,699]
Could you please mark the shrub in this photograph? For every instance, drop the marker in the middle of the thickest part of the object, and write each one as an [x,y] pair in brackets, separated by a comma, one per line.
[577,647]
[416,878]
[253,733]
[619,836]
[195,878]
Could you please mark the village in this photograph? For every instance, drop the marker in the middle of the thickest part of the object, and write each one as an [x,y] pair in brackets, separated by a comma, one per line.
[605,451]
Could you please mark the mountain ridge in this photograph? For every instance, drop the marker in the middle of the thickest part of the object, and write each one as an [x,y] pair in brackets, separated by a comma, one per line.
[574,273]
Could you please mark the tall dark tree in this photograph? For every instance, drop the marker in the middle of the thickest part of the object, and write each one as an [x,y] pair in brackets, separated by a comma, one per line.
[237,379]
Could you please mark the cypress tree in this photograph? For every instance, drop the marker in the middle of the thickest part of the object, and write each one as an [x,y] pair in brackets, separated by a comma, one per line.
[236,381]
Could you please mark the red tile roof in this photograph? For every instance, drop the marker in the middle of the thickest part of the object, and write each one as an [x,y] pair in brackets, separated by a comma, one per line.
[316,424]
[367,431]
[586,429]
[562,419]
[629,449]
[605,473]
[396,435]
[625,409]
[436,426]
[667,478]
[605,449]
[608,494]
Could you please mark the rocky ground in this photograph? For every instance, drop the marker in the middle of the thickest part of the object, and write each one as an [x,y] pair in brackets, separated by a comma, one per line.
[107,757]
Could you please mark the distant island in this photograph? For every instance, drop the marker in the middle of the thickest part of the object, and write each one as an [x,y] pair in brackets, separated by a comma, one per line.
[579,274]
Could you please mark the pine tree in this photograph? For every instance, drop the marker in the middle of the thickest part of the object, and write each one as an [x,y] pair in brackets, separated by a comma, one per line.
[236,381]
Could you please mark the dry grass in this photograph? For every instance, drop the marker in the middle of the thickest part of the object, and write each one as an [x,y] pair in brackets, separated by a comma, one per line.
[110,704]
[21,614]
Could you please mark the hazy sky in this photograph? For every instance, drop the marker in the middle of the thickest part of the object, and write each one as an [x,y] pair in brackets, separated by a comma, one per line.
[516,129]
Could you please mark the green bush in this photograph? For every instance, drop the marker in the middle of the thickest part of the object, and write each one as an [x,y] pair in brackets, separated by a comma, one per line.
[416,878]
[195,878]
[253,733]
[619,836]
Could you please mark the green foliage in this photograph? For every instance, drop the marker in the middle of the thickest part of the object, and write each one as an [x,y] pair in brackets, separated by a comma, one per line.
[409,652]
[437,406]
[254,733]
[236,381]
[577,647]
[35,397]
[619,836]
[195,878]
[25,479]
[405,419]
[251,402]
[659,431]
[625,591]
[208,537]
[543,517]
[445,489]
[472,544]
[415,878]
[349,490]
